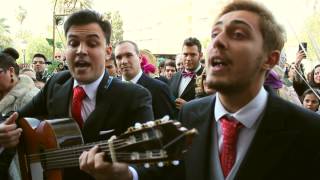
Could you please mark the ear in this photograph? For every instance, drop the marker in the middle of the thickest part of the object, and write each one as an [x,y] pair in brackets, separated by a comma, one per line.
[108,52]
[272,60]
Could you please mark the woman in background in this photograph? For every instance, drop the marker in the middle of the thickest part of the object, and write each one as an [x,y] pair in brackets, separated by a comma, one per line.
[15,92]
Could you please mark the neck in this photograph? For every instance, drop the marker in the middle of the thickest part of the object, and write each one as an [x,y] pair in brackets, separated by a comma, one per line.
[235,100]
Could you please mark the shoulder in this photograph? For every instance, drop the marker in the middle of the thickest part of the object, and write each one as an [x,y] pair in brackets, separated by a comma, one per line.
[125,87]
[60,77]
[292,112]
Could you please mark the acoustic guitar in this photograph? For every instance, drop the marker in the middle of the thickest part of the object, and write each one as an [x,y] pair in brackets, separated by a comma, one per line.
[48,146]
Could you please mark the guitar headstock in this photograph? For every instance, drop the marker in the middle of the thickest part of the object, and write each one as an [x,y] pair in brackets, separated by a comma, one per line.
[155,141]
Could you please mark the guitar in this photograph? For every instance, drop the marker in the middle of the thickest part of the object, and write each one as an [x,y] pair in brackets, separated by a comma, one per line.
[48,146]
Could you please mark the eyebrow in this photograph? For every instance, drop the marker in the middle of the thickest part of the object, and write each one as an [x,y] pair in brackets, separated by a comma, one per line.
[235,22]
[87,36]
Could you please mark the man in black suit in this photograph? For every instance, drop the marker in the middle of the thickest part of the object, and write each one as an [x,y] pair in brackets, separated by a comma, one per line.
[274,139]
[128,60]
[183,83]
[271,138]
[108,103]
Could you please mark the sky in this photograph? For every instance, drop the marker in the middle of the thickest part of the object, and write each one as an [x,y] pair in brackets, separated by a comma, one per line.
[139,15]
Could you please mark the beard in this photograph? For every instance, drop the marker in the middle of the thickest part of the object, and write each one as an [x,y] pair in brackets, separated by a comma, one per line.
[236,85]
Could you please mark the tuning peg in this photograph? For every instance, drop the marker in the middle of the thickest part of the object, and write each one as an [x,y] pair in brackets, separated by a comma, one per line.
[138,125]
[150,123]
[160,164]
[175,163]
[146,165]
[130,129]
[165,118]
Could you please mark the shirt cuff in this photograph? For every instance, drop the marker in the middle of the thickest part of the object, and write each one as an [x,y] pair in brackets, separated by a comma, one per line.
[134,173]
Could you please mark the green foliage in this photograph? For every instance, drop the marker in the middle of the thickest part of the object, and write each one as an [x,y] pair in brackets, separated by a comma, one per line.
[311,35]
[117,26]
[5,39]
[38,45]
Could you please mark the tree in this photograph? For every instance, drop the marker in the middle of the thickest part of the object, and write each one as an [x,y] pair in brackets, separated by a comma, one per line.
[311,35]
[5,40]
[116,23]
[21,14]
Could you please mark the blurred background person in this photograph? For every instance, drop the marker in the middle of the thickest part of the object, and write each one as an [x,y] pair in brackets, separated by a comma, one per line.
[310,100]
[179,62]
[202,88]
[32,74]
[169,68]
[111,66]
[15,92]
[40,62]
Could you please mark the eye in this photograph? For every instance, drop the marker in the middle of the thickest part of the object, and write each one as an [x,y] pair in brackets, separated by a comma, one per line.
[238,35]
[92,43]
[73,43]
[214,34]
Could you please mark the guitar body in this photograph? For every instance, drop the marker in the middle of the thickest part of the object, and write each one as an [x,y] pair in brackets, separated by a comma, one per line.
[43,136]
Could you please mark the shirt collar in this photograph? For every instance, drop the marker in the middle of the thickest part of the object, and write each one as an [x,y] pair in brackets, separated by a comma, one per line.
[249,113]
[91,88]
[196,70]
[135,79]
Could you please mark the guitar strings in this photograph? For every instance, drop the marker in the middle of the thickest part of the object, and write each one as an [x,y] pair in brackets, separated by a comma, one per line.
[122,157]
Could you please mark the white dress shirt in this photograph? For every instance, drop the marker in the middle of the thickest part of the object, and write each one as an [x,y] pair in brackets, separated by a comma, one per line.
[250,116]
[135,79]
[185,81]
[89,102]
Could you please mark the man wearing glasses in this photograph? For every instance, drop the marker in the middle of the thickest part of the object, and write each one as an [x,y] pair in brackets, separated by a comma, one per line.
[39,62]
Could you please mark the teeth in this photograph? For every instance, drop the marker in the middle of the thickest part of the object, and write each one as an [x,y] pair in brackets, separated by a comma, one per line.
[217,61]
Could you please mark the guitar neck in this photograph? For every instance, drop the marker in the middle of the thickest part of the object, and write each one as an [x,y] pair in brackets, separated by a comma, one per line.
[65,157]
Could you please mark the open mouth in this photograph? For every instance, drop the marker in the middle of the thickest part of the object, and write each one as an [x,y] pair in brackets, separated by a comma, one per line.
[81,64]
[218,63]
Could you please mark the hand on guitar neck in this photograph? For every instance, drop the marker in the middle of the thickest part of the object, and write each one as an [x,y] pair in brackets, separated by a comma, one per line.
[93,163]
[9,133]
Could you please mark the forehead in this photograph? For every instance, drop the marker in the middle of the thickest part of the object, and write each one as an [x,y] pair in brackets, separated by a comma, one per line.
[245,19]
[317,69]
[86,31]
[193,48]
[124,47]
[38,59]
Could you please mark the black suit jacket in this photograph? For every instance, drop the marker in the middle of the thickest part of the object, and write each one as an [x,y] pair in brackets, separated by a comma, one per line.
[118,106]
[189,92]
[162,100]
[286,144]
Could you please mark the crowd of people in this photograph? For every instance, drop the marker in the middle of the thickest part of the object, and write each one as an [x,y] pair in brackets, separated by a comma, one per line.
[255,119]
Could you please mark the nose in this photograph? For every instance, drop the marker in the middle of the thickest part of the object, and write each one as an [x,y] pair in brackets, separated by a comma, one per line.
[82,49]
[219,41]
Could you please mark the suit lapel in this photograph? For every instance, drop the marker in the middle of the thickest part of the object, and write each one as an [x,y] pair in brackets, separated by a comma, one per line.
[175,84]
[202,145]
[98,116]
[271,141]
[61,100]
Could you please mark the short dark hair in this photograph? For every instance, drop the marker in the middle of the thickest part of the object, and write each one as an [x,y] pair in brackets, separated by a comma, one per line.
[39,55]
[113,58]
[130,42]
[7,61]
[192,41]
[272,32]
[169,62]
[12,52]
[86,16]
[309,91]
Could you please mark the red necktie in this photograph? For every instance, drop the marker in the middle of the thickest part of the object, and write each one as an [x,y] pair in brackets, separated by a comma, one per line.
[78,95]
[228,152]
